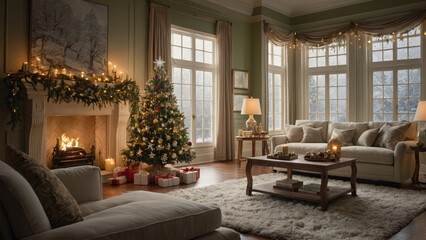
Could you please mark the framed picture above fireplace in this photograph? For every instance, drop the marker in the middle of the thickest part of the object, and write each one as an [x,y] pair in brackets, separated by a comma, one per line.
[70,34]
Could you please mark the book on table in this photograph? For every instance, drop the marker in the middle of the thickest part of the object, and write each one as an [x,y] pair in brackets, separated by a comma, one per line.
[312,188]
[288,184]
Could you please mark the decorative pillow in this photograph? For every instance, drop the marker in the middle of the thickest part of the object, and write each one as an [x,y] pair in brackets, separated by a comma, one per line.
[60,207]
[312,135]
[345,136]
[294,133]
[389,135]
[368,137]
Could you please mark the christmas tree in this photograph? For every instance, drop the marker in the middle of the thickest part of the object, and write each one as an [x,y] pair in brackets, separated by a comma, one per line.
[158,135]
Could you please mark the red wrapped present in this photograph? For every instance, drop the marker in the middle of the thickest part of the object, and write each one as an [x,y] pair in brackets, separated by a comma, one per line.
[169,181]
[118,180]
[156,177]
[129,173]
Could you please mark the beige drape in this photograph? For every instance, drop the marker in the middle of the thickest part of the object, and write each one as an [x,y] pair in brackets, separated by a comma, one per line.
[159,37]
[225,113]
[391,24]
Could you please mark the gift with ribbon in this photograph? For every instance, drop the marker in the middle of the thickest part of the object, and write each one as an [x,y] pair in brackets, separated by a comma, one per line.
[117,180]
[187,177]
[130,171]
[168,181]
[192,169]
[142,177]
[118,171]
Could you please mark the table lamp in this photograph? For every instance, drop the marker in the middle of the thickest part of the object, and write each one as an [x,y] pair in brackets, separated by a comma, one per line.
[251,106]
[421,117]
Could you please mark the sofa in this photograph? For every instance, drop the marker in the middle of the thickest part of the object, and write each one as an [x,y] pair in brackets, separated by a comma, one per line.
[373,163]
[133,215]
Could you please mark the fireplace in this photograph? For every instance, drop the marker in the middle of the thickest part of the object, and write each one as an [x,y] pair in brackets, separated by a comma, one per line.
[67,152]
[105,128]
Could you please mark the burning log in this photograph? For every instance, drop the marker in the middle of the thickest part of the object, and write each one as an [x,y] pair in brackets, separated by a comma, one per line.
[68,153]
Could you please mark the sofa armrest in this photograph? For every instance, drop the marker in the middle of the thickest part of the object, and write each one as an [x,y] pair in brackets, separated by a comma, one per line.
[404,161]
[277,140]
[83,182]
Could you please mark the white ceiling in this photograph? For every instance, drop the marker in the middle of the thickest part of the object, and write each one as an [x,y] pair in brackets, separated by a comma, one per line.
[289,8]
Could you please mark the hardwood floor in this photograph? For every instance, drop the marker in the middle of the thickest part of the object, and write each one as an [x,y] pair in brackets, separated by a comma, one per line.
[212,173]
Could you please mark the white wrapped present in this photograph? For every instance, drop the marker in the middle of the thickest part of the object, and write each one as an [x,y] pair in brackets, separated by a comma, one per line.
[168,182]
[188,177]
[141,178]
[118,171]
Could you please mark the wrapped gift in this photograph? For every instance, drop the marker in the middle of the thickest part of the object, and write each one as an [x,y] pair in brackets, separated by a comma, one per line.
[188,177]
[156,177]
[118,180]
[192,169]
[142,177]
[169,181]
[118,171]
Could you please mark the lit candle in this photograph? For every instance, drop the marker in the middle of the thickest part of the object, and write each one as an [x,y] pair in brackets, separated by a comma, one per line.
[25,66]
[109,164]
[55,72]
[38,62]
[82,74]
[285,150]
[114,68]
[240,132]
[64,71]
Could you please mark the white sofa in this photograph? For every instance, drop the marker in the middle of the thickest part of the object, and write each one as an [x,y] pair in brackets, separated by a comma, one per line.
[133,215]
[373,163]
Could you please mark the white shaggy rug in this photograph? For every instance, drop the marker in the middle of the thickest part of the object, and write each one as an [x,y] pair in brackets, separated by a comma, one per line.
[377,212]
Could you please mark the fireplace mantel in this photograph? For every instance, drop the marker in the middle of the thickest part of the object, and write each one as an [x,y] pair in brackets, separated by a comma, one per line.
[38,109]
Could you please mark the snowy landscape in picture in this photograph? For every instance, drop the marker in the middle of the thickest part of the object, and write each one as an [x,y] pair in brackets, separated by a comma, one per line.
[70,34]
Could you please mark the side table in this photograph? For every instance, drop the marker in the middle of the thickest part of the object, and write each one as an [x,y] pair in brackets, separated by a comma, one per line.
[415,178]
[241,139]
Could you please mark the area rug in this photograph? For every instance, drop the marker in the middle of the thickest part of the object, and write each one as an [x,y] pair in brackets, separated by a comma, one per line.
[377,212]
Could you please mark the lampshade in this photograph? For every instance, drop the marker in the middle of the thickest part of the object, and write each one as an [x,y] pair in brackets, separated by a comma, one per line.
[421,112]
[251,106]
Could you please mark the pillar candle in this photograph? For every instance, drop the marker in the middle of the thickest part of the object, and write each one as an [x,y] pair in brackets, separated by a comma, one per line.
[109,164]
[240,132]
[285,150]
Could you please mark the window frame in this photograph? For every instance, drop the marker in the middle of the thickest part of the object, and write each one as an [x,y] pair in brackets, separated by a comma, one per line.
[326,71]
[194,66]
[394,65]
[280,70]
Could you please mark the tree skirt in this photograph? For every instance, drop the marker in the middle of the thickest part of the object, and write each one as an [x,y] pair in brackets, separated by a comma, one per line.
[377,212]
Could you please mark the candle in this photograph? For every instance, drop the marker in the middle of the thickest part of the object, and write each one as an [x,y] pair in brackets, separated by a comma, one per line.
[240,132]
[109,164]
[285,150]
[25,66]
[55,72]
[82,74]
[38,62]
[64,71]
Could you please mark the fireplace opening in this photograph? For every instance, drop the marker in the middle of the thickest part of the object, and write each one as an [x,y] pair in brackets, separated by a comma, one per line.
[76,140]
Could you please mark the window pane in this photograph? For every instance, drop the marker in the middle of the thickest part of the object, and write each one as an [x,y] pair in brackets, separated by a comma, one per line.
[208,46]
[186,76]
[177,75]
[199,56]
[208,58]
[199,44]
[186,42]
[176,52]
[186,54]
[176,39]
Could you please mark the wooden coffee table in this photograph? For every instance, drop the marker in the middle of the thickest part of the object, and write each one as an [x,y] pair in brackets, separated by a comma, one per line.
[302,164]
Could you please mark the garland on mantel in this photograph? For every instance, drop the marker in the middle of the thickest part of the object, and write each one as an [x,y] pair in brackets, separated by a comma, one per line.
[76,89]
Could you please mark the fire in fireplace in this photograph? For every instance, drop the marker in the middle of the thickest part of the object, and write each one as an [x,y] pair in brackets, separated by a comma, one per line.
[68,153]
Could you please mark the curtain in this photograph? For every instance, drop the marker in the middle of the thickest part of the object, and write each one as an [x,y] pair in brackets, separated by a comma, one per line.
[225,103]
[159,39]
[392,24]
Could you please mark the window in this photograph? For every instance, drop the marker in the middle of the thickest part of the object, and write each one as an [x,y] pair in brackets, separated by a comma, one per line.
[193,80]
[327,76]
[395,76]
[276,72]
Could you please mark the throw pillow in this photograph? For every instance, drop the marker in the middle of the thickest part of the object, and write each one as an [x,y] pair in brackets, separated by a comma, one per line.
[58,203]
[294,133]
[368,137]
[389,135]
[345,136]
[312,135]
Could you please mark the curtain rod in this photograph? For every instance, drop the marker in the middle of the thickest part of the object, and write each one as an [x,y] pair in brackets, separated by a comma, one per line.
[189,13]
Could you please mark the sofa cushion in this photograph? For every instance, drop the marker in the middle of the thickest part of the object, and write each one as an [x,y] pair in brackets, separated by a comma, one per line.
[363,154]
[411,132]
[60,207]
[389,135]
[315,124]
[344,136]
[302,148]
[368,137]
[141,215]
[359,128]
[312,135]
[20,204]
[294,133]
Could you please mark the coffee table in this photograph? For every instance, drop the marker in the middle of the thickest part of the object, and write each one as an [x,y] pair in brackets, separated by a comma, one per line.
[302,164]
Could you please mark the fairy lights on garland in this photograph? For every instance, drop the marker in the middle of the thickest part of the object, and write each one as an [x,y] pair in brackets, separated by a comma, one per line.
[65,88]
